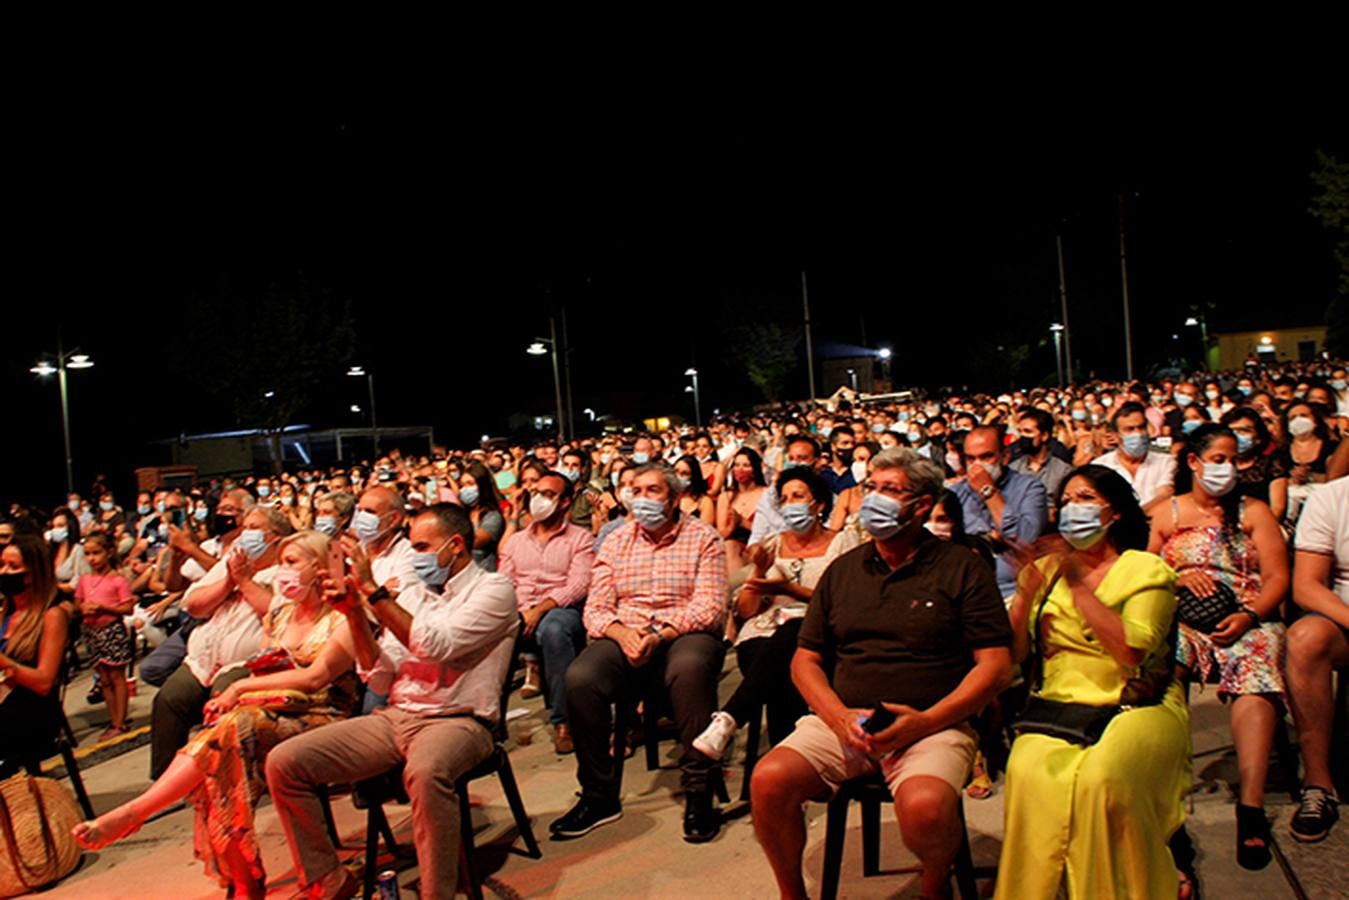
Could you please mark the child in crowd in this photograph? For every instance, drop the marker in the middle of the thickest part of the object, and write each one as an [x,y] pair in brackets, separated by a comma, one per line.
[104,597]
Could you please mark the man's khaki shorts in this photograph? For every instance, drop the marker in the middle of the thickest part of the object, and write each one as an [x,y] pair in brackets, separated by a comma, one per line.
[946,755]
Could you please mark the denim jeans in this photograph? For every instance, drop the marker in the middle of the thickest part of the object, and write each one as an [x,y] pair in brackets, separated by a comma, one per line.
[560,635]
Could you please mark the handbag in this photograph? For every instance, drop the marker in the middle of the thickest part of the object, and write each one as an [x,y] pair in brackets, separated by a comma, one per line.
[36,848]
[1206,613]
[1077,723]
[267,661]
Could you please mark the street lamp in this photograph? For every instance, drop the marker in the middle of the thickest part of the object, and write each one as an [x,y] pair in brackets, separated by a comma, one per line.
[539,348]
[360,372]
[1057,329]
[697,399]
[852,379]
[885,354]
[72,360]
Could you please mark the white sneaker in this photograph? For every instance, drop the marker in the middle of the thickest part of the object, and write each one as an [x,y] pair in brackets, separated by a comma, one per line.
[717,736]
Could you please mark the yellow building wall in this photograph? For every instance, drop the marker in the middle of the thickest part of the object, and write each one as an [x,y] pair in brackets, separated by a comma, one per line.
[1235,348]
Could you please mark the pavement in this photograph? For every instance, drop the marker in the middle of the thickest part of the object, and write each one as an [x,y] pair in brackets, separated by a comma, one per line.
[643,854]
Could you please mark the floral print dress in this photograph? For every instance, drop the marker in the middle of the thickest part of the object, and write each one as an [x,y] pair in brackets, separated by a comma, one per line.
[232,751]
[1254,664]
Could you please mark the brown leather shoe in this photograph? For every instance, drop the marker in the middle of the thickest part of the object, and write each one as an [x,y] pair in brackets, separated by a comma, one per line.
[562,744]
[532,686]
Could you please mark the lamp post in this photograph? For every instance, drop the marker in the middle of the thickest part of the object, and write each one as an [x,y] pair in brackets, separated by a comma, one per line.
[539,348]
[697,399]
[360,372]
[72,360]
[885,353]
[852,379]
[1057,329]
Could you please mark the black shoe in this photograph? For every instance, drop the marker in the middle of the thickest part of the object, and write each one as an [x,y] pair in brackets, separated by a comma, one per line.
[1316,816]
[583,818]
[702,820]
[1252,826]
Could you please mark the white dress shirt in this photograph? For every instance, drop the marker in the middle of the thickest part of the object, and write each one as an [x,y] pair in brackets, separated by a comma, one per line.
[231,635]
[395,563]
[458,649]
[1156,473]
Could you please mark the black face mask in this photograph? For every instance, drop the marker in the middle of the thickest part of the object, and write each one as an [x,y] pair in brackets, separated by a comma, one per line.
[844,456]
[12,583]
[223,524]
[1026,447]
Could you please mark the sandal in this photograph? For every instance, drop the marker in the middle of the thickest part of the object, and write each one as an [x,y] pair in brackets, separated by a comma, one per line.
[980,786]
[1189,885]
[1252,826]
[93,836]
[113,731]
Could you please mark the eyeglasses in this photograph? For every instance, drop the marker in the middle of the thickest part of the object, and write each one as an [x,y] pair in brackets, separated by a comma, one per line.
[894,493]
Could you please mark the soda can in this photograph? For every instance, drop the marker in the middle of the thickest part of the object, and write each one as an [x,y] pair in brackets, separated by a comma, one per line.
[387,886]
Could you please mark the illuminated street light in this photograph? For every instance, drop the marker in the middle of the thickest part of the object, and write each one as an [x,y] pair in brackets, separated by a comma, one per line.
[44,368]
[360,372]
[697,398]
[540,347]
[1057,329]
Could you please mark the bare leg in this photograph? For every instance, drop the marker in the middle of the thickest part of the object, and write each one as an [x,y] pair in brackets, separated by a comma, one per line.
[782,782]
[1254,718]
[926,809]
[1315,647]
[245,884]
[176,783]
[114,693]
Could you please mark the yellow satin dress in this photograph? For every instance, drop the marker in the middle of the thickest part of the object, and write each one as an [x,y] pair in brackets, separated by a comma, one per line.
[1097,819]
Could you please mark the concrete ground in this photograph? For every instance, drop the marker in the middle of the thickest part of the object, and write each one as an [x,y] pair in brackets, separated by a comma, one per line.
[643,853]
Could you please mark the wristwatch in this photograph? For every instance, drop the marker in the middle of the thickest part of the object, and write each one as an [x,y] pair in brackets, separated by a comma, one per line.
[987,491]
[381,593]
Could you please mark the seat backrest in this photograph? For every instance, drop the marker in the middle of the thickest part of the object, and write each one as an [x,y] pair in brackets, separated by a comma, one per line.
[500,732]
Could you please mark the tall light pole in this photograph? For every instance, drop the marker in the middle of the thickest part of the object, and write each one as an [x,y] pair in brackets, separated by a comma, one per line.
[852,379]
[810,346]
[697,399]
[1063,302]
[1057,329]
[1124,286]
[885,353]
[72,360]
[539,348]
[360,372]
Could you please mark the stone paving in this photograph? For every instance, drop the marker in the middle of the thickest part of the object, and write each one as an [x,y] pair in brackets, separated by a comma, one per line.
[643,853]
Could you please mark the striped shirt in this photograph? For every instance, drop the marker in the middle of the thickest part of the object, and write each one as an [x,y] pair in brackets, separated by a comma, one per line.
[679,580]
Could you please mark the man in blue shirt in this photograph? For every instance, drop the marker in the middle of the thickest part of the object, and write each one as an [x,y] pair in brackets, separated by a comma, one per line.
[997,502]
[838,474]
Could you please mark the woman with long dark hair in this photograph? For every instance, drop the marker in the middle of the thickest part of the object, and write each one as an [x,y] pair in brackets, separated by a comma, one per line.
[1092,623]
[32,643]
[694,494]
[478,494]
[1228,550]
[736,506]
[1260,469]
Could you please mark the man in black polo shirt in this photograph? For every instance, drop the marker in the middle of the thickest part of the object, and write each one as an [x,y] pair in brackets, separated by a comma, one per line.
[909,623]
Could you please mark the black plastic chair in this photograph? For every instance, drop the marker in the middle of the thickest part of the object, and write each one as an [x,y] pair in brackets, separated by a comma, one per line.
[652,704]
[373,793]
[1339,742]
[64,743]
[873,794]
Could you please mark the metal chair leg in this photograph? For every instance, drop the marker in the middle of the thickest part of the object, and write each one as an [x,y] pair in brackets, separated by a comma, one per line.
[326,804]
[512,792]
[835,829]
[871,836]
[373,817]
[467,845]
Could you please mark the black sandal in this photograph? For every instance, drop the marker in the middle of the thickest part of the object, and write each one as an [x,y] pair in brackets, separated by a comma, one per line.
[1252,826]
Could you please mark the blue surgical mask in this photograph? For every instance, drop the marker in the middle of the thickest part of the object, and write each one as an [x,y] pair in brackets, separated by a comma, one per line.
[365,525]
[1218,479]
[264,490]
[1135,445]
[469,495]
[58,535]
[327,525]
[428,568]
[1245,391]
[571,474]
[143,510]
[1080,524]
[253,541]
[881,516]
[1184,400]
[650,514]
[791,464]
[1339,384]
[1244,442]
[798,516]
[107,506]
[200,513]
[1189,425]
[160,506]
[878,428]
[1079,415]
[641,458]
[682,483]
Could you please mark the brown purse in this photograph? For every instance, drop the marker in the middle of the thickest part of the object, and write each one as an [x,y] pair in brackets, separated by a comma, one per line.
[36,847]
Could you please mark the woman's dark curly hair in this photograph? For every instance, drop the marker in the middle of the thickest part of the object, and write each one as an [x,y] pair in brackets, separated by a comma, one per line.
[1128,532]
[1197,445]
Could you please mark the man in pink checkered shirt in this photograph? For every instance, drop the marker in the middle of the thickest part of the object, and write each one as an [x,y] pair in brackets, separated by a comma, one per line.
[656,611]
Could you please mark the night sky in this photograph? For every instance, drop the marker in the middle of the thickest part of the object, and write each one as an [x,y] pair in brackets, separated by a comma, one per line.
[656,212]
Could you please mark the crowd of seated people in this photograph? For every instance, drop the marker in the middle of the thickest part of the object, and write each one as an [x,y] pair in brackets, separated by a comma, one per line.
[1082,559]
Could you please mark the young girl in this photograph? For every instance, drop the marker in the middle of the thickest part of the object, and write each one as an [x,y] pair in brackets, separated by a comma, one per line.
[104,597]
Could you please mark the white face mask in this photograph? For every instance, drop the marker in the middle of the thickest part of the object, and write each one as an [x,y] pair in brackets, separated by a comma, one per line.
[541,507]
[859,471]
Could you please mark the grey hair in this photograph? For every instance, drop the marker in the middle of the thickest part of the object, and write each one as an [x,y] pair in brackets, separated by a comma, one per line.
[344,504]
[243,498]
[924,476]
[278,523]
[664,471]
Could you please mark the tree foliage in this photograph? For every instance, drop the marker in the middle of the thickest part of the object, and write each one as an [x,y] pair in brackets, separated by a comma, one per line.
[763,336]
[1331,208]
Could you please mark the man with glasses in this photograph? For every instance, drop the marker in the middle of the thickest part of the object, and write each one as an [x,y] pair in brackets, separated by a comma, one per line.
[550,565]
[907,628]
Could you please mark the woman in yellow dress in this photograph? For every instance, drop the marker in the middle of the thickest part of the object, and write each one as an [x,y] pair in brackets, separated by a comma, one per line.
[1095,620]
[221,770]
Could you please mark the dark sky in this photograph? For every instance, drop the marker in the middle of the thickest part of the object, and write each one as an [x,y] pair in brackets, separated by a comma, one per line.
[454,217]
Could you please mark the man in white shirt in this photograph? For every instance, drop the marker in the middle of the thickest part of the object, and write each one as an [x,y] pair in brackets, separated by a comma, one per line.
[378,525]
[1318,643]
[233,596]
[1151,473]
[442,660]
